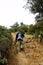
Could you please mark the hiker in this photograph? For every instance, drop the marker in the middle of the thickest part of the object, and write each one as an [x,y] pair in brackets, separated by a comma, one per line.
[3,60]
[19,39]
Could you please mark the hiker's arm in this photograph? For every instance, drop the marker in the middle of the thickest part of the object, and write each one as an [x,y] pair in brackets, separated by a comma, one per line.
[22,35]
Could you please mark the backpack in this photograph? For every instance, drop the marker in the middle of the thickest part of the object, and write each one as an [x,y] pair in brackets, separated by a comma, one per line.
[19,36]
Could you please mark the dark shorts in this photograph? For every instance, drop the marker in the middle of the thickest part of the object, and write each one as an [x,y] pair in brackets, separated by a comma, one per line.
[19,39]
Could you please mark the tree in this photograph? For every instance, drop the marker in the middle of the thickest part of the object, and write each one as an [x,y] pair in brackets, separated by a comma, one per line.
[16,24]
[36,6]
[14,27]
[23,28]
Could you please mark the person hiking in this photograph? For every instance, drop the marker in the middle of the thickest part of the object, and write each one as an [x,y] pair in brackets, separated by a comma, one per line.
[19,39]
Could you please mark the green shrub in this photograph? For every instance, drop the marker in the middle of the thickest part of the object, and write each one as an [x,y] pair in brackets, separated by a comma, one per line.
[5,37]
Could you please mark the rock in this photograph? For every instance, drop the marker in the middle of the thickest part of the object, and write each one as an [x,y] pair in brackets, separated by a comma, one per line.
[27,54]
[32,46]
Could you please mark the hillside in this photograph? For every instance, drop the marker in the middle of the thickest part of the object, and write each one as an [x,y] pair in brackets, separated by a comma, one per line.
[31,55]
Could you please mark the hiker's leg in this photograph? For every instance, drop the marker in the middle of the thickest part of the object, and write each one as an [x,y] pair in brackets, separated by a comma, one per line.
[21,46]
[18,45]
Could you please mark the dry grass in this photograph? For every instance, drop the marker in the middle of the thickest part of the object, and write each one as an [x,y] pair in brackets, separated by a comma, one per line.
[31,55]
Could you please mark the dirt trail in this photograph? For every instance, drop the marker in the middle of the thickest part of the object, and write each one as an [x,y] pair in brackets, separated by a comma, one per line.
[17,58]
[21,59]
[31,55]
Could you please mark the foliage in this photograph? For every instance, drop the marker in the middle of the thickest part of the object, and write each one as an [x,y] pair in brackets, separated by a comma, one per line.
[36,6]
[14,28]
[22,28]
[36,29]
[5,37]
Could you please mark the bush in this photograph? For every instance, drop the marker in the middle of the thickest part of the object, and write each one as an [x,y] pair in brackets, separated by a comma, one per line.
[5,37]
